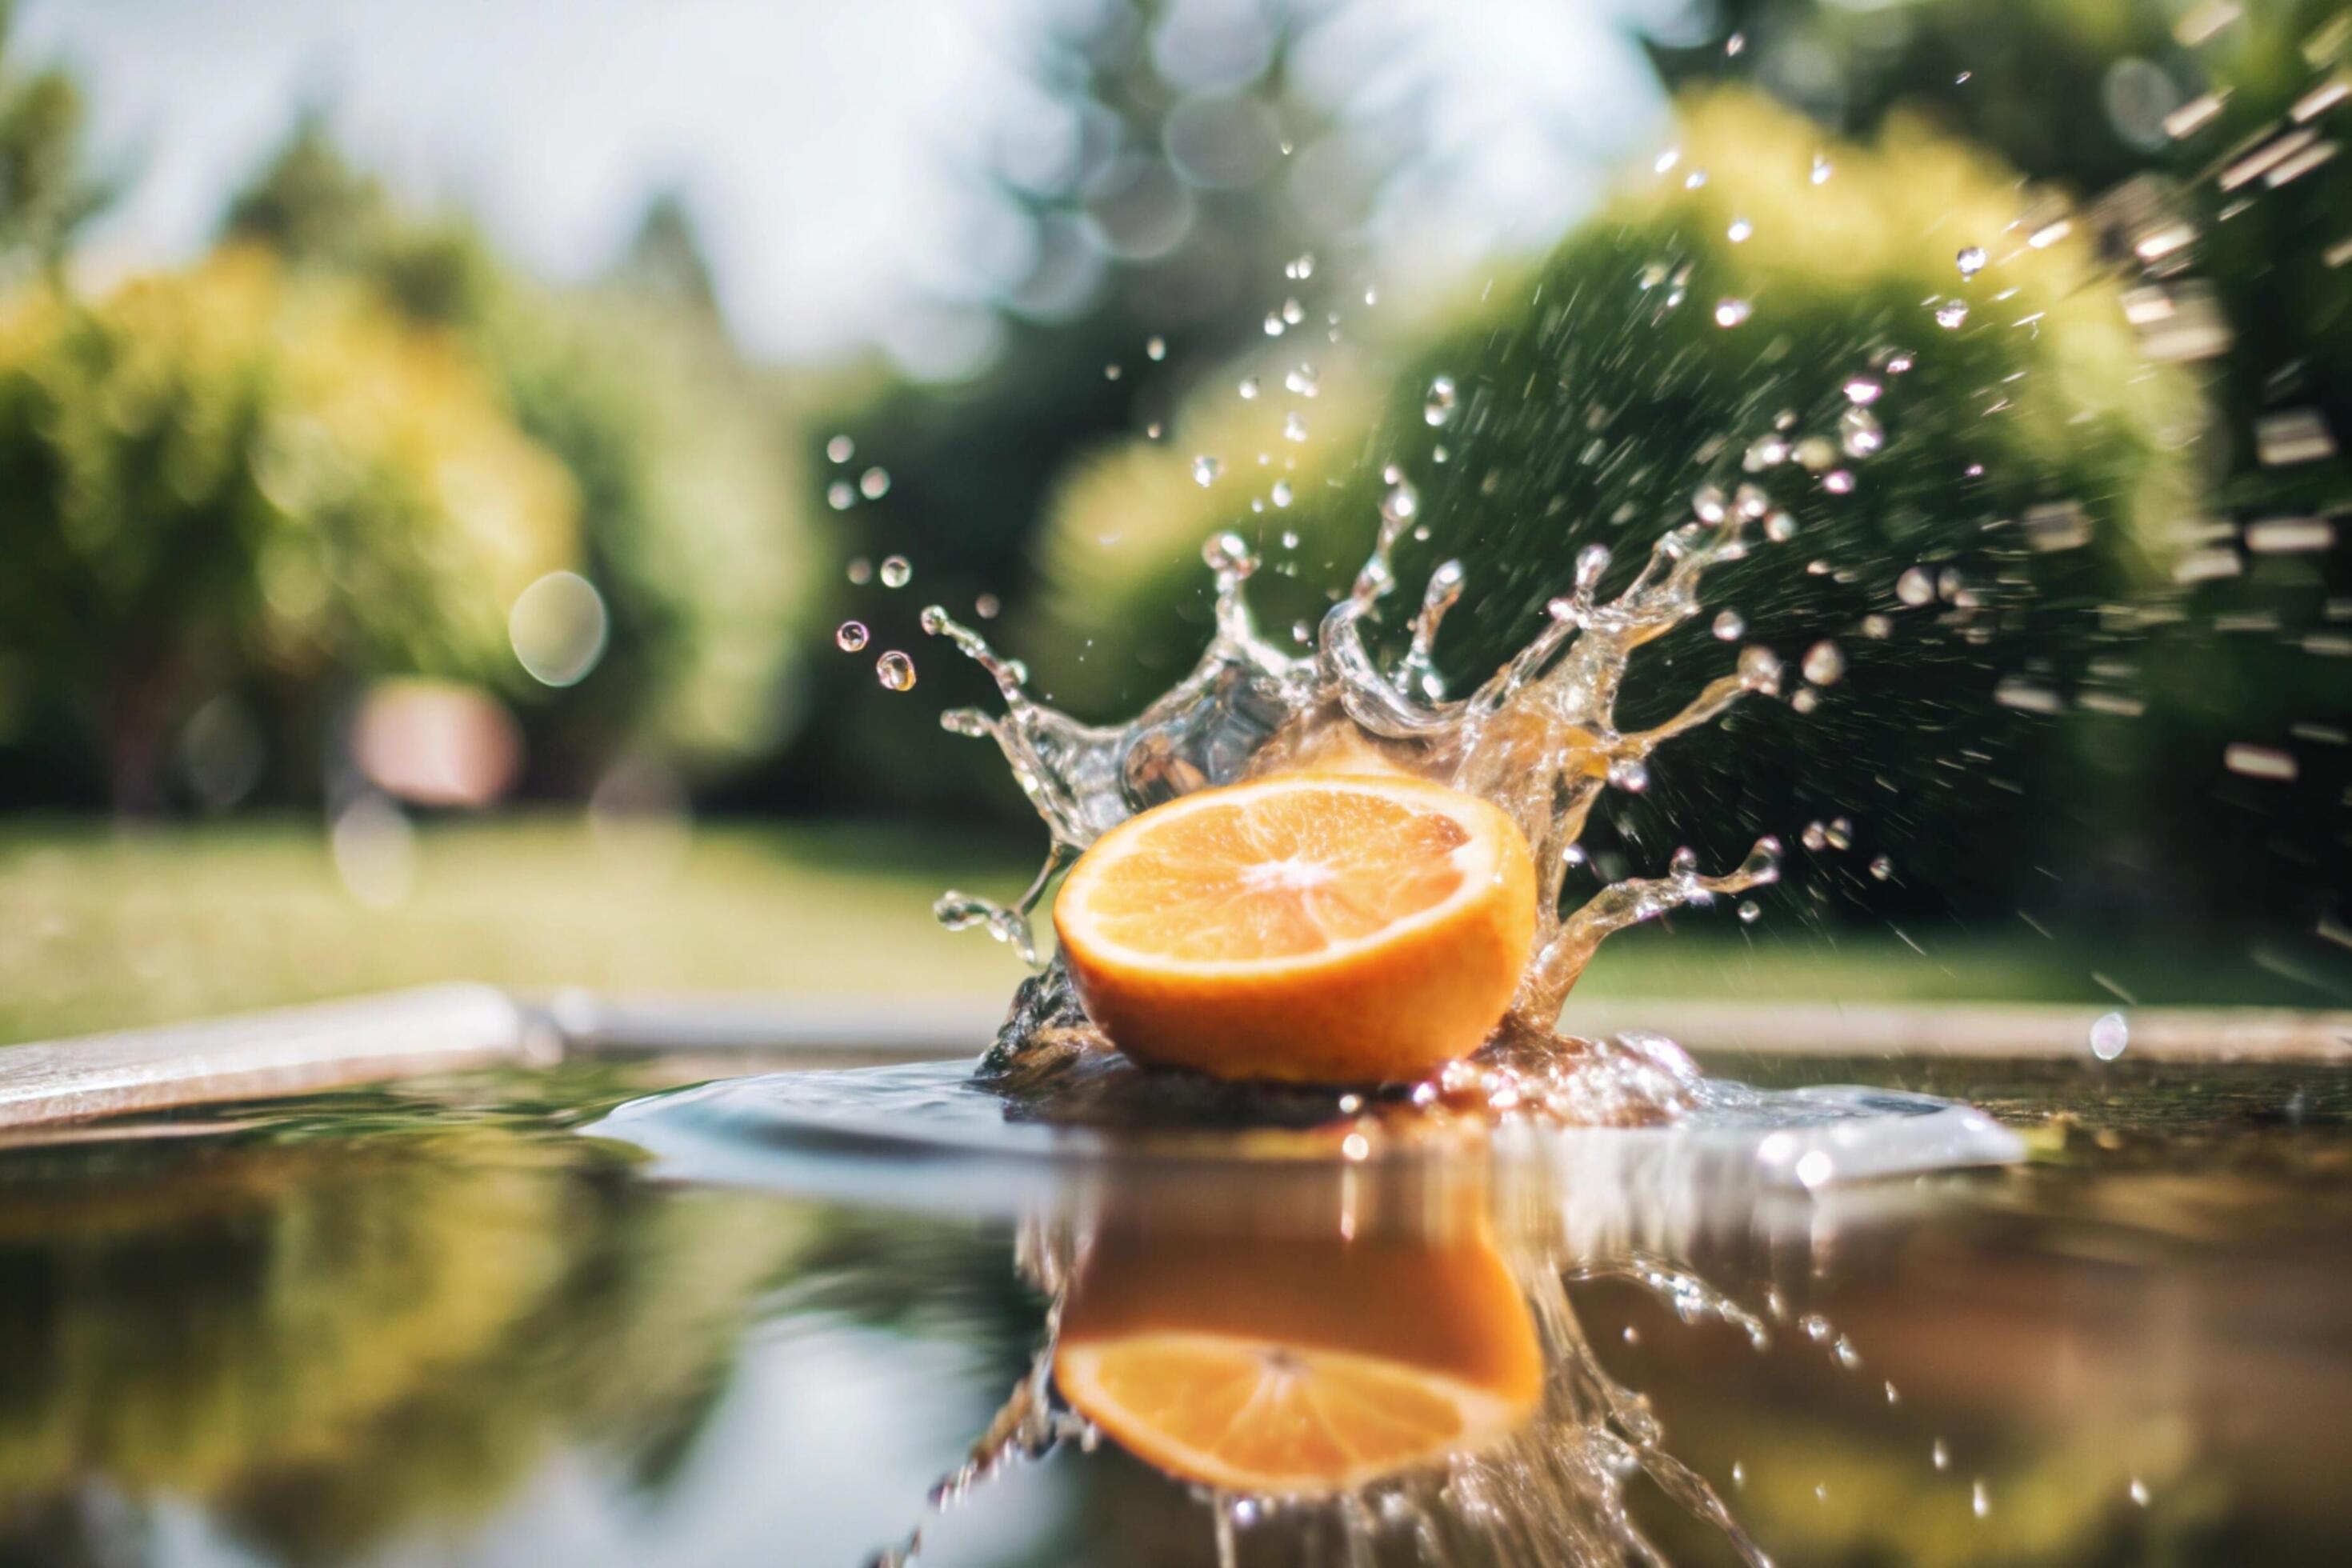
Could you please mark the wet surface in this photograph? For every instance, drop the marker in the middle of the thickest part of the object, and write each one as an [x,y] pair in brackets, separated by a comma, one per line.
[432,1323]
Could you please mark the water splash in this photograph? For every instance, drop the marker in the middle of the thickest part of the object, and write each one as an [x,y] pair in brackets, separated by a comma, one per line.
[1538,738]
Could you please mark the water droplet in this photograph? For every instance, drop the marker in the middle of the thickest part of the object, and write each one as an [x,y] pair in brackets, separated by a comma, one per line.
[1825,663]
[896,571]
[1815,838]
[1439,406]
[896,671]
[1821,168]
[1155,348]
[1939,1454]
[1898,363]
[1840,833]
[1862,392]
[1882,867]
[1293,426]
[1402,501]
[1759,668]
[1282,494]
[2109,1036]
[850,636]
[1371,296]
[1293,312]
[1915,587]
[1302,268]
[860,571]
[1978,1503]
[1629,774]
[1730,312]
[1302,381]
[1838,482]
[1951,314]
[2138,1491]
[1779,528]
[1151,431]
[1750,910]
[1110,370]
[1971,260]
[873,483]
[1667,158]
[1729,627]
[1860,433]
[1877,628]
[1739,230]
[1205,471]
[1695,179]
[933,620]
[986,607]
[1273,325]
[1738,1474]
[841,495]
[1228,553]
[841,448]
[1249,389]
[1289,536]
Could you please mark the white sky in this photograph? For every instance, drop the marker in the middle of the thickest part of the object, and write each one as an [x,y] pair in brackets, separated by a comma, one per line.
[817,142]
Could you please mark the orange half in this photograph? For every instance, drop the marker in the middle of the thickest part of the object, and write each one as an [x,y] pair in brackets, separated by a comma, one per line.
[1296,1365]
[1311,927]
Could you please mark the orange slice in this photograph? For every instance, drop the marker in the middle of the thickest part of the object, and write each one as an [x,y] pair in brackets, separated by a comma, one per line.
[1312,927]
[1296,1366]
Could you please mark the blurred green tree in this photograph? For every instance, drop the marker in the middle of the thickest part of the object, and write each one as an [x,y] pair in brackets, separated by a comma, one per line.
[46,191]
[227,478]
[693,503]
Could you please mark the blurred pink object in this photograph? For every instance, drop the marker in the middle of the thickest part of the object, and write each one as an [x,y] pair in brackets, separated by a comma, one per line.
[436,742]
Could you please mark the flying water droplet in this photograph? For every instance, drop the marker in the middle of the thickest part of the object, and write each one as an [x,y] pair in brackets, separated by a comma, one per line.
[1731,313]
[1749,911]
[896,671]
[1838,482]
[1779,528]
[1302,381]
[1739,230]
[896,571]
[1273,325]
[1971,260]
[1821,168]
[860,571]
[1249,389]
[1629,774]
[1729,627]
[841,495]
[1155,348]
[841,448]
[851,637]
[1824,664]
[1915,587]
[1111,370]
[1205,471]
[1293,426]
[1860,433]
[1862,392]
[1882,867]
[1439,406]
[873,483]
[986,607]
[1282,497]
[1951,314]
[1402,501]
[2109,1036]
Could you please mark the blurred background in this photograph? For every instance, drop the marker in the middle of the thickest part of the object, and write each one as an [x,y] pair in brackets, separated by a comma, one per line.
[441,446]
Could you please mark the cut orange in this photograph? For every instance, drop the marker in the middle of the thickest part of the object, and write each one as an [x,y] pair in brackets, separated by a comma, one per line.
[1296,1366]
[1313,927]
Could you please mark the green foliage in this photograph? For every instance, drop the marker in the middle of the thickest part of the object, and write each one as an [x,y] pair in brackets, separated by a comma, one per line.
[230,476]
[684,460]
[44,193]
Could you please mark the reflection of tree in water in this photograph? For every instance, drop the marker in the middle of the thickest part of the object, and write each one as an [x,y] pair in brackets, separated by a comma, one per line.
[329,1341]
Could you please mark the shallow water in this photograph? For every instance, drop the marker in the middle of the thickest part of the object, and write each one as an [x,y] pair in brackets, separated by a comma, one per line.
[432,1323]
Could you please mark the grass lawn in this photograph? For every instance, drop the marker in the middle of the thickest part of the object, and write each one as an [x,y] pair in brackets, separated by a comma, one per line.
[102,926]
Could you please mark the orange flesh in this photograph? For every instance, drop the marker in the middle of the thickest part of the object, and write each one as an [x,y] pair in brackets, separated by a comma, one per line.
[1281,877]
